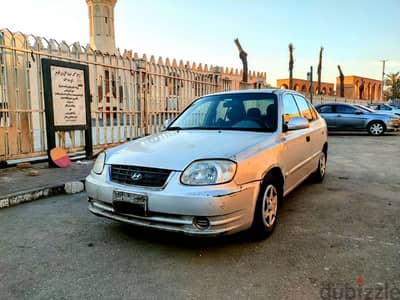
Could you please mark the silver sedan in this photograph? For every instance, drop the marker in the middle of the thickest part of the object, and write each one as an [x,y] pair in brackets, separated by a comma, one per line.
[343,116]
[222,166]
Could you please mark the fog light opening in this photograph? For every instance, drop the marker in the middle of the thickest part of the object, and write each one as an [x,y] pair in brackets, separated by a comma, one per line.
[201,223]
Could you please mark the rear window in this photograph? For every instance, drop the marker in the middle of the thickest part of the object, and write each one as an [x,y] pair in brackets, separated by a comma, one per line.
[325,109]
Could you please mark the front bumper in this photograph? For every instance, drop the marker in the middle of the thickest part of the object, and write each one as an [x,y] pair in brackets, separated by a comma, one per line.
[229,208]
[393,126]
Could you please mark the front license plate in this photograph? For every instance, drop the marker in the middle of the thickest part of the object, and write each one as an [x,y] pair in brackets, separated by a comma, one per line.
[130,203]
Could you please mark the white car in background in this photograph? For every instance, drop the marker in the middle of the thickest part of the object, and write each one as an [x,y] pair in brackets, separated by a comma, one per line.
[384,108]
[222,166]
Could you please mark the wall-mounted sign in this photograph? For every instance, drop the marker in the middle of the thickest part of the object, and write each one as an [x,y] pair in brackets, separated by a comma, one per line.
[68,93]
[67,101]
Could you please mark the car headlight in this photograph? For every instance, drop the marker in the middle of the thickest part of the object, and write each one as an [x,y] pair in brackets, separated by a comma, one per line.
[98,165]
[208,172]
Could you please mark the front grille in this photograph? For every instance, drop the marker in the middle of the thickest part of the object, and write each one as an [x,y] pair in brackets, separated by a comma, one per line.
[142,176]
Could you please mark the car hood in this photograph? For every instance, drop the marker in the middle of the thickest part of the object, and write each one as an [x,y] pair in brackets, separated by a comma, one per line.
[174,150]
[391,114]
[381,115]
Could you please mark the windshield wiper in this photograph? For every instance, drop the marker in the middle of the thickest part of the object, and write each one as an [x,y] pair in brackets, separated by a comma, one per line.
[174,128]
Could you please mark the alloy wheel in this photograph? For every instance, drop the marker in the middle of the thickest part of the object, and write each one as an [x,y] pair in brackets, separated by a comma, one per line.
[322,164]
[376,129]
[270,205]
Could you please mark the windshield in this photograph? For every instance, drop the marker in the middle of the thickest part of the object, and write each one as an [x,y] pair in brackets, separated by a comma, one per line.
[362,107]
[241,111]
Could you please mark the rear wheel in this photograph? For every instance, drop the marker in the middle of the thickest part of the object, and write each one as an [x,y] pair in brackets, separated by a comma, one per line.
[266,212]
[319,174]
[376,128]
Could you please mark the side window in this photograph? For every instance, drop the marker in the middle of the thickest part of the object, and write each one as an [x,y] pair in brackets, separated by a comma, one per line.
[344,109]
[313,111]
[325,109]
[305,109]
[290,108]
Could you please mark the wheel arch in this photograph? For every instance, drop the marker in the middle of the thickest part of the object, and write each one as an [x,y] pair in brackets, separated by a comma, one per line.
[325,149]
[276,172]
[377,121]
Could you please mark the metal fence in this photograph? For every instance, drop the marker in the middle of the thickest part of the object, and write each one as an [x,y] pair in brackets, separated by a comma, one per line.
[317,99]
[131,96]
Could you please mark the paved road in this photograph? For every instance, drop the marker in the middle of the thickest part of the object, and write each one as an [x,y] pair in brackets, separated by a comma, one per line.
[328,236]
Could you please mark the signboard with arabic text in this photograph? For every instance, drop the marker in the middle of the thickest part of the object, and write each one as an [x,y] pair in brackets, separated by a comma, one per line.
[67,101]
[68,92]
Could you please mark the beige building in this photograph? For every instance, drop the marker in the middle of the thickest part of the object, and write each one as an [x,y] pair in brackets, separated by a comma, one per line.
[301,85]
[356,87]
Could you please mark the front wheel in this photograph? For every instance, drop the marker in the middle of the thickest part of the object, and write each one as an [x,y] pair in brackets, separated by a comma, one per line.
[266,211]
[376,128]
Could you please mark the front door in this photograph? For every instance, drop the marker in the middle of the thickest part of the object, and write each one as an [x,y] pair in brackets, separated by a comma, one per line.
[296,146]
[349,118]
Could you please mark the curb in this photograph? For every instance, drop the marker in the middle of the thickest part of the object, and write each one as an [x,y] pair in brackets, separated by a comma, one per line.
[36,194]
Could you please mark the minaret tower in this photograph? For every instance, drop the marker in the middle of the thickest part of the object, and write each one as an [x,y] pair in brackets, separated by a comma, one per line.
[101,25]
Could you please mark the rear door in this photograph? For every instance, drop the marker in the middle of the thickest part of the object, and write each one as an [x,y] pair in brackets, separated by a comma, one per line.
[327,112]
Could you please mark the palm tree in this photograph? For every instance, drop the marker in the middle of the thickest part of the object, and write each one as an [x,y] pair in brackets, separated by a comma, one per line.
[291,66]
[392,78]
[319,70]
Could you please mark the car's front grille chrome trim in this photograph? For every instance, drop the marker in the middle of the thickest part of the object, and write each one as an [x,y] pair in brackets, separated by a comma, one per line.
[139,176]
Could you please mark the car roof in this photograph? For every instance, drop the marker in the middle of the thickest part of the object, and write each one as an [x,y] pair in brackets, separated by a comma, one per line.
[257,91]
[333,103]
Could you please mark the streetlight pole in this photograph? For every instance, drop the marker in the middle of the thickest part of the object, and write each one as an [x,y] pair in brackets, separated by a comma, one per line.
[383,77]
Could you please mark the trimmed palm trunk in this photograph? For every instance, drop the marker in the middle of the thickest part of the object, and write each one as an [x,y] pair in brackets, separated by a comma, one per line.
[319,70]
[243,58]
[341,77]
[291,63]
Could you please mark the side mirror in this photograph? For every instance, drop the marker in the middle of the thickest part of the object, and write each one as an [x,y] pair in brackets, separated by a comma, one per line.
[296,123]
[167,122]
[358,112]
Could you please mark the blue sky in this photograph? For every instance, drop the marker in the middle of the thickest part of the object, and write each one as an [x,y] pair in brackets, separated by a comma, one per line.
[355,34]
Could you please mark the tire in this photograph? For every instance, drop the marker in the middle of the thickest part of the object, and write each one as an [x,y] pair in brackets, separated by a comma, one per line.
[376,128]
[319,175]
[270,195]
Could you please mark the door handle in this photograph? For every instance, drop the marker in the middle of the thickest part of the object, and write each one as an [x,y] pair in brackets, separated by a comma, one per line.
[338,115]
[308,139]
